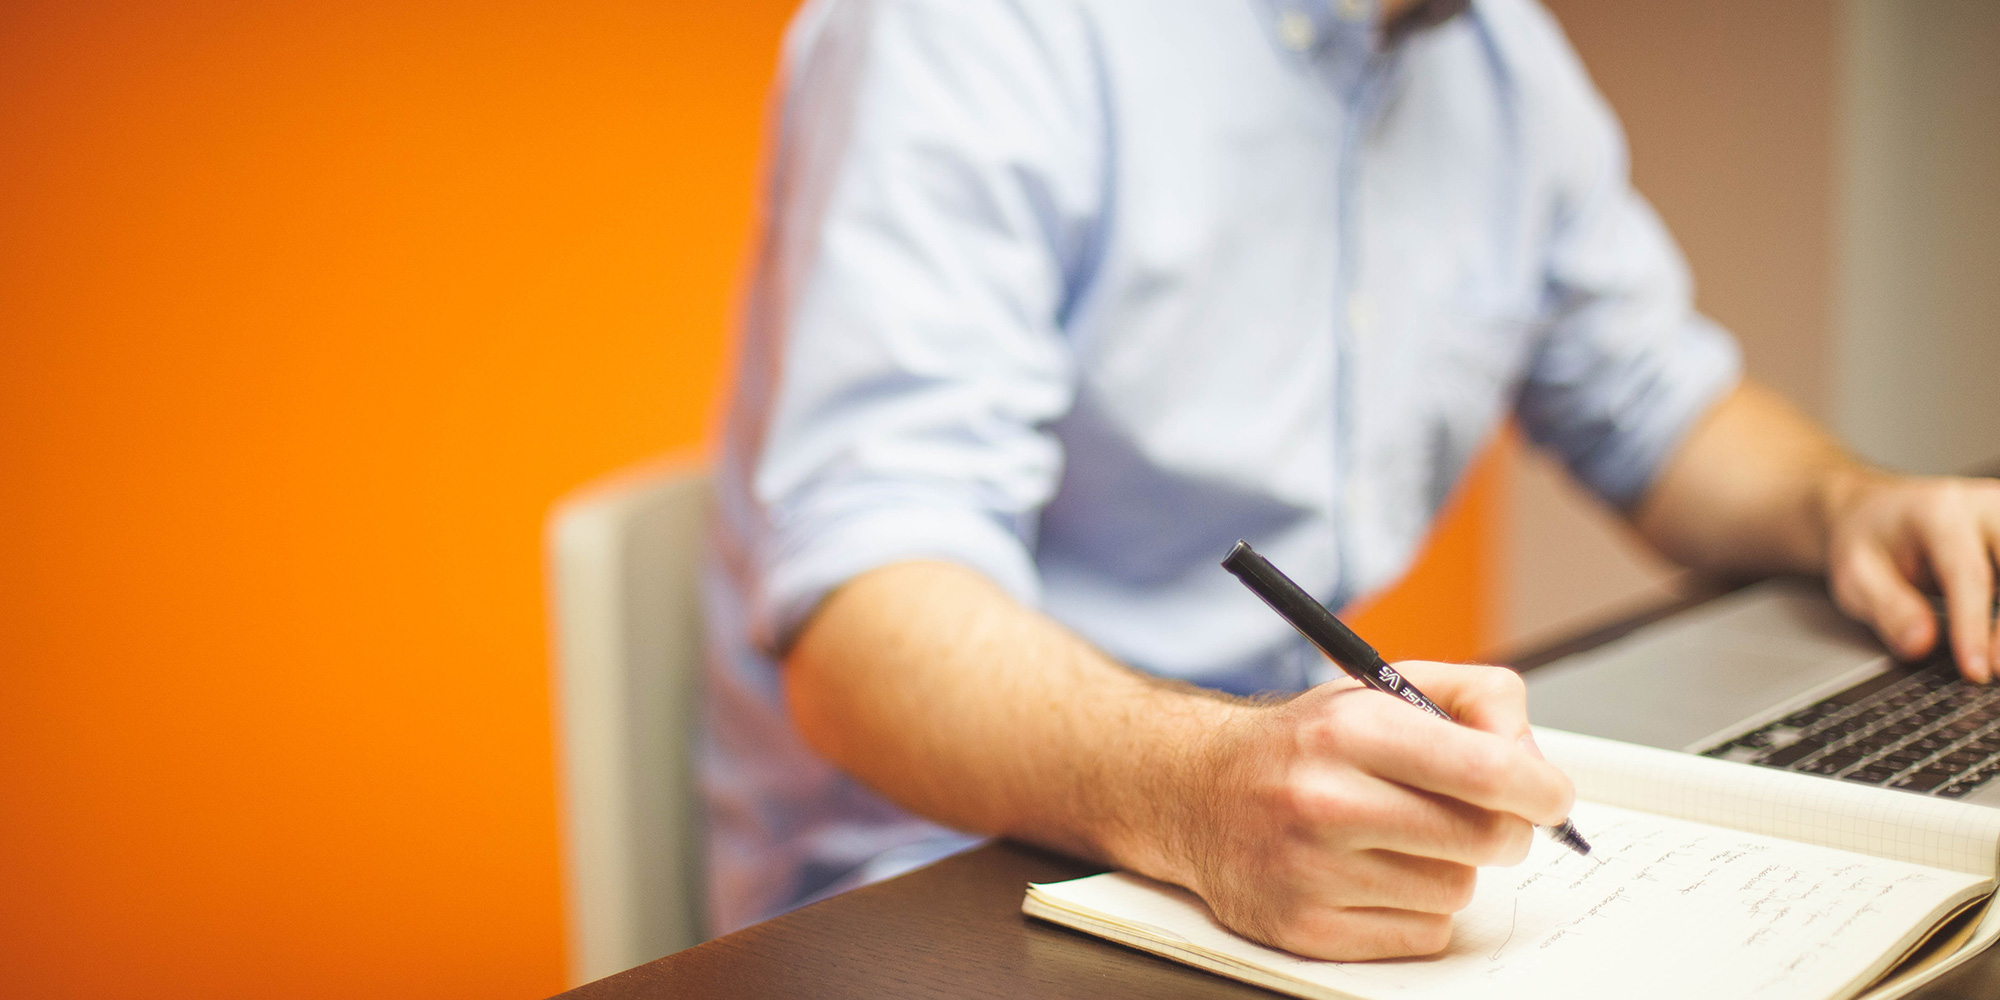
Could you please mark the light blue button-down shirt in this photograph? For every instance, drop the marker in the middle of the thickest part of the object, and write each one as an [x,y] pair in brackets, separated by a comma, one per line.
[1078,292]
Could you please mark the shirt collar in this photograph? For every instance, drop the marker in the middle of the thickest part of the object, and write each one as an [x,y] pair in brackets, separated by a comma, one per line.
[1307,27]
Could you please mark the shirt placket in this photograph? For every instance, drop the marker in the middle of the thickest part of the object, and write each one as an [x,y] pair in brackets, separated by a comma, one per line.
[1354,71]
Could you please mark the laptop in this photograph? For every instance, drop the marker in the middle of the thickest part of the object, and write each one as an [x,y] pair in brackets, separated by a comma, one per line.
[1774,675]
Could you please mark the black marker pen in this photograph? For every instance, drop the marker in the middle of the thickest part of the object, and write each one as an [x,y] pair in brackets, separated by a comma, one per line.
[1340,644]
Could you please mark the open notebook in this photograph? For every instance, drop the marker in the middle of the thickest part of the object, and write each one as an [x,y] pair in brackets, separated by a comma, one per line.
[1707,878]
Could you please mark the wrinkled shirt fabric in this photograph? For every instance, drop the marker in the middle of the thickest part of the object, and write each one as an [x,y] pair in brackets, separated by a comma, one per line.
[1076,293]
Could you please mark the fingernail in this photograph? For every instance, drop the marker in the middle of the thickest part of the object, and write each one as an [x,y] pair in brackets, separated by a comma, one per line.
[1527,742]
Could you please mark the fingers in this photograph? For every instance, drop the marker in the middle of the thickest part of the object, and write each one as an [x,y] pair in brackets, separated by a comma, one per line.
[1386,816]
[1391,880]
[1388,905]
[1950,526]
[1384,738]
[1358,905]
[1869,588]
[1989,531]
[1963,565]
[1352,825]
[1362,934]
[1489,698]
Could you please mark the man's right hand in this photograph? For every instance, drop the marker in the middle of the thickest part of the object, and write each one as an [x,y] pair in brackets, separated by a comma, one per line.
[1344,824]
[1338,824]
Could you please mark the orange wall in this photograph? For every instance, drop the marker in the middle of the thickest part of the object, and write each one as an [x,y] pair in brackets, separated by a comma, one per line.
[307,312]
[1449,605]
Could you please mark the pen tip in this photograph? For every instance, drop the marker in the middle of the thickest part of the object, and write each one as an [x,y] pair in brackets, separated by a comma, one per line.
[1567,836]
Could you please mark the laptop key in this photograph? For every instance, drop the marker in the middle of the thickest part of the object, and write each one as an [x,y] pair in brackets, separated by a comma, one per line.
[1922,730]
[1833,763]
[1926,779]
[1787,756]
[1963,727]
[1873,774]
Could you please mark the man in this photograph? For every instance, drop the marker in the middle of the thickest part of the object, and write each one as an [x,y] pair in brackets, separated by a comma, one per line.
[1059,298]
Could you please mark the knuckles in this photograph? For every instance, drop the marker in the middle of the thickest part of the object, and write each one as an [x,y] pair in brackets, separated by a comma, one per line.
[1502,684]
[1349,716]
[1491,838]
[1485,770]
[1456,886]
[1944,501]
[1356,934]
[1326,804]
[1847,577]
[1295,878]
[1512,842]
[1339,726]
[1429,934]
[1301,926]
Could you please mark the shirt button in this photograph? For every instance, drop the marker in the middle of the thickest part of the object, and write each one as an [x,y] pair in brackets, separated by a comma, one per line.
[1296,31]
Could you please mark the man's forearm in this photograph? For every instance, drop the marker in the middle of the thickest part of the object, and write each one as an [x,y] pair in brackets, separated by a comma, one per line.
[1759,488]
[1341,823]
[1753,489]
[939,691]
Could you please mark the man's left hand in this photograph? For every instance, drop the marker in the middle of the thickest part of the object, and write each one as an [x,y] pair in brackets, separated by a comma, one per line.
[1890,535]
[1759,488]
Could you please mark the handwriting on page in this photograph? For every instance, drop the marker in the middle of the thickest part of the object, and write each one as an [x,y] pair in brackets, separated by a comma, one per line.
[1663,907]
[1761,894]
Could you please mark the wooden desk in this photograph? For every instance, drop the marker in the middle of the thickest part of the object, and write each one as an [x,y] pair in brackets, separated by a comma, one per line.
[955,929]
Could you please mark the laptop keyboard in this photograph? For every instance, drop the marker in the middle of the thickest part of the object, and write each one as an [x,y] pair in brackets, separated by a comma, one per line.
[1921,730]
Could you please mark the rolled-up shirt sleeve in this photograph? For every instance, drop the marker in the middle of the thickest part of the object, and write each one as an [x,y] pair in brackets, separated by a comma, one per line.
[1628,367]
[933,201]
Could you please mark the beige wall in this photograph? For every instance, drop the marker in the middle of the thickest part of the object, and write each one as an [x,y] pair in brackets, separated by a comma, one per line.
[1730,111]
[1918,354]
[1833,174]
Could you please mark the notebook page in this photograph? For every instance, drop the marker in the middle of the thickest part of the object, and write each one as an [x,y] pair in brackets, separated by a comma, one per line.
[1803,807]
[1662,908]
[1906,981]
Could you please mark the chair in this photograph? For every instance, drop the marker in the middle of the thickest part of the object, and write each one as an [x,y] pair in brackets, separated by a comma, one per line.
[623,558]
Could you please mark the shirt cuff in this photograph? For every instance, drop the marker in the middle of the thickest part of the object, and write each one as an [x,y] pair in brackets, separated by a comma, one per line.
[1703,368]
[832,551]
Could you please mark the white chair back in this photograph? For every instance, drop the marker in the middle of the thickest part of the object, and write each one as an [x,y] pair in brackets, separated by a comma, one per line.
[623,559]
